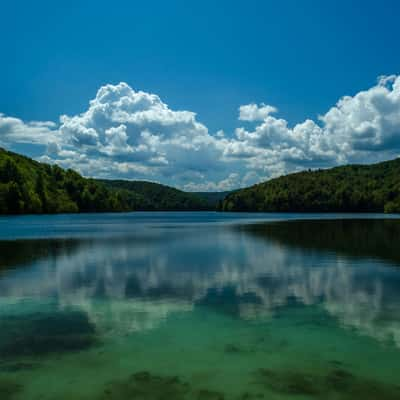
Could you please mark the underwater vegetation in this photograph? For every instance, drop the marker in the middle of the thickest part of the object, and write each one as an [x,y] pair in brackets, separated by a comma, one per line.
[16,367]
[231,348]
[80,318]
[8,389]
[43,333]
[337,383]
[226,300]
[147,386]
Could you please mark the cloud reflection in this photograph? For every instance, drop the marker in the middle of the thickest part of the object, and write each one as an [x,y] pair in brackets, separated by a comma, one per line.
[126,284]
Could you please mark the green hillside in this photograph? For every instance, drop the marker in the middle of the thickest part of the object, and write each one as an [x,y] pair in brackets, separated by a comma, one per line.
[27,186]
[352,188]
[212,199]
[157,197]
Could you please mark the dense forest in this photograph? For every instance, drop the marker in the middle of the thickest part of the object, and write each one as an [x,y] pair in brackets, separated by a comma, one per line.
[28,186]
[213,199]
[157,197]
[352,188]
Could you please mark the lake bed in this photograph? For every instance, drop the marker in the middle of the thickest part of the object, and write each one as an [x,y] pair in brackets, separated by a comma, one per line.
[200,306]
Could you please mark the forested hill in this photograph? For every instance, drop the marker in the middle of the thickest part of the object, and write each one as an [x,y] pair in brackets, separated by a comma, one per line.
[352,188]
[27,186]
[213,199]
[157,197]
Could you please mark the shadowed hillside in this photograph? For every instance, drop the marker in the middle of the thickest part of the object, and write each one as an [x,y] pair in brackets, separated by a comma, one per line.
[28,186]
[157,197]
[352,188]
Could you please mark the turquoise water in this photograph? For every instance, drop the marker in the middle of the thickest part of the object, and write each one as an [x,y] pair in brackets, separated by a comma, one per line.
[201,306]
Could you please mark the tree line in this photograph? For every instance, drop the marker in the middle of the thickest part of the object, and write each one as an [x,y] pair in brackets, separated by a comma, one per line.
[27,186]
[352,188]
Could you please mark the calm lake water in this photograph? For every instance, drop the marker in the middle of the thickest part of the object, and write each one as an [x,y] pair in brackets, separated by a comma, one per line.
[201,306]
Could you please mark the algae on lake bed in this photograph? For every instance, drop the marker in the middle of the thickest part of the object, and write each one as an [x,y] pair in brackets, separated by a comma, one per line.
[194,311]
[335,383]
[41,333]
[9,389]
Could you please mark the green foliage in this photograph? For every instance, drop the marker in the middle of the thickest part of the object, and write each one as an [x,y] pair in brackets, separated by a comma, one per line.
[212,199]
[157,197]
[392,207]
[27,186]
[353,188]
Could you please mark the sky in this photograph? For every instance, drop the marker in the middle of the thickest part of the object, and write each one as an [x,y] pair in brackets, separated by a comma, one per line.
[210,95]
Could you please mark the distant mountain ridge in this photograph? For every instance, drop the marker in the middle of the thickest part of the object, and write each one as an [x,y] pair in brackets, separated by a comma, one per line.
[28,186]
[351,188]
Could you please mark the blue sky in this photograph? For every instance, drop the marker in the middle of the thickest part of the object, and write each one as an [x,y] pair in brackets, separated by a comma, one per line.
[208,58]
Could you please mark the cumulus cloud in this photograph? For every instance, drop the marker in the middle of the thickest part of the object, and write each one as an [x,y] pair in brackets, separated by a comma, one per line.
[135,135]
[253,112]
[136,130]
[233,181]
[365,127]
[16,131]
[369,121]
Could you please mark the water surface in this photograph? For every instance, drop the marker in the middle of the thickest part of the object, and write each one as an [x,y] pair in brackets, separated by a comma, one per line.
[201,306]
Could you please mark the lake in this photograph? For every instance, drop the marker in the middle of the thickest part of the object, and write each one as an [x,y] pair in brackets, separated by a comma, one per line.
[203,306]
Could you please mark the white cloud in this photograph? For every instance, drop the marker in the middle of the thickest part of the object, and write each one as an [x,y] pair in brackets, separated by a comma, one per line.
[16,131]
[136,129]
[233,181]
[253,112]
[362,128]
[135,135]
[369,121]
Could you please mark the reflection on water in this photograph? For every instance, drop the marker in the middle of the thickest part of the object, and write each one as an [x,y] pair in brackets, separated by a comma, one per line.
[362,238]
[248,273]
[44,332]
[21,252]
[277,295]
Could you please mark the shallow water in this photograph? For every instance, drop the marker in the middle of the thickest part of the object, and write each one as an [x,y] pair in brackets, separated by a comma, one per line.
[201,306]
